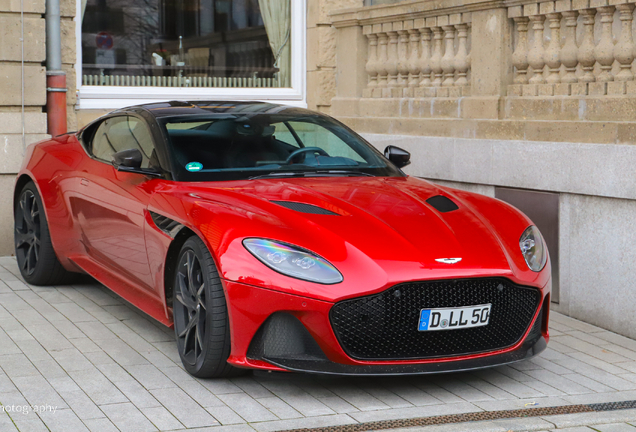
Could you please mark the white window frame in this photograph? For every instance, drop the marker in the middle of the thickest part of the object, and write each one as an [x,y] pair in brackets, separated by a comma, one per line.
[114,97]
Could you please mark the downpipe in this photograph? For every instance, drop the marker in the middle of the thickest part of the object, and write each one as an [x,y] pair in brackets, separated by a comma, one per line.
[55,76]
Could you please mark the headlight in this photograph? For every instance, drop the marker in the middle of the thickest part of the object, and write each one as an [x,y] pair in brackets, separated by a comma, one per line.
[293,261]
[533,248]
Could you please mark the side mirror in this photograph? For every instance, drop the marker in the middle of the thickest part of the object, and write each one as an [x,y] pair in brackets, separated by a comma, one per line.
[398,156]
[130,158]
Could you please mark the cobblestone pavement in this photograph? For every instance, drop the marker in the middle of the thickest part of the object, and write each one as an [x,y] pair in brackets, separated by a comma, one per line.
[77,358]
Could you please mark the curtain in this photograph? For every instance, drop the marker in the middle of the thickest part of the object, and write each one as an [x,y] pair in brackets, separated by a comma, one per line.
[277,19]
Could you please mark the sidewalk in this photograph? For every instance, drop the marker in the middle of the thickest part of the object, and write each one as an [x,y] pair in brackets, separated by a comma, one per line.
[78,358]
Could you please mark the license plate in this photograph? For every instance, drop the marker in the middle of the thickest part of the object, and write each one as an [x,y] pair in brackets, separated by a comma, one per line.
[454,318]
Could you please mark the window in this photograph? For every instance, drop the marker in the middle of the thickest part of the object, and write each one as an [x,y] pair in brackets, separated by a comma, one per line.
[138,51]
[229,147]
[123,133]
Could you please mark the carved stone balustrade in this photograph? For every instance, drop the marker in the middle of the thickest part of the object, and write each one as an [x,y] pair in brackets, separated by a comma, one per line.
[504,61]
[425,57]
[583,54]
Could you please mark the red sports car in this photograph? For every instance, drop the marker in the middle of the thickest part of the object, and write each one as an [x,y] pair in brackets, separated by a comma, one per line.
[276,238]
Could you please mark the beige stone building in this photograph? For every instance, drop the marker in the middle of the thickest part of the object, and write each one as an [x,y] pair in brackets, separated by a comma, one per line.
[531,102]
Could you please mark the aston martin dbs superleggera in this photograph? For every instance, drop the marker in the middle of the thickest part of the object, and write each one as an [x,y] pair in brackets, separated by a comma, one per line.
[276,238]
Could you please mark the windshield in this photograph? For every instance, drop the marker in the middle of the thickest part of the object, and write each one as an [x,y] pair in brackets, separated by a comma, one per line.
[232,147]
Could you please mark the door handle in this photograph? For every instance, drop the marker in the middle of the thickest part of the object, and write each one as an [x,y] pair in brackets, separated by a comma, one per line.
[84,182]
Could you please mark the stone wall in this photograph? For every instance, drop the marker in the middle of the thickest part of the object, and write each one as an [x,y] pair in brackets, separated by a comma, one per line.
[518,94]
[321,52]
[12,141]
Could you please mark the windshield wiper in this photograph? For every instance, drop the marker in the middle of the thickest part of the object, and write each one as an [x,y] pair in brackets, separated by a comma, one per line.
[320,173]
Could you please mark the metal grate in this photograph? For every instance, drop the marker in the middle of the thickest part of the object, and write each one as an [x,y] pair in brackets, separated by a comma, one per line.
[384,326]
[476,416]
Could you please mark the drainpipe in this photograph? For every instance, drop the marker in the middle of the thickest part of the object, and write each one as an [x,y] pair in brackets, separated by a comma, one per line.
[55,76]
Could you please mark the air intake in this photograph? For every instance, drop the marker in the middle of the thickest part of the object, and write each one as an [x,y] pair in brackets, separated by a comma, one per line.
[442,204]
[305,208]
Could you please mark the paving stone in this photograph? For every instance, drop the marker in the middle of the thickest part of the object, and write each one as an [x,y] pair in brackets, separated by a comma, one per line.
[63,421]
[615,427]
[96,330]
[85,345]
[184,408]
[335,403]
[300,400]
[81,404]
[150,377]
[251,387]
[37,391]
[121,352]
[246,407]
[387,397]
[72,360]
[17,365]
[100,425]
[161,418]
[413,395]
[199,393]
[225,415]
[415,412]
[280,409]
[313,422]
[97,387]
[128,418]
[136,394]
[74,312]
[591,419]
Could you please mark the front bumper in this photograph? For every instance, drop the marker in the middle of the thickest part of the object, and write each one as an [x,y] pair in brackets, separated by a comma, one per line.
[310,345]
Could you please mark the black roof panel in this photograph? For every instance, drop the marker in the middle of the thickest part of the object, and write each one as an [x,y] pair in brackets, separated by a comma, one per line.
[188,108]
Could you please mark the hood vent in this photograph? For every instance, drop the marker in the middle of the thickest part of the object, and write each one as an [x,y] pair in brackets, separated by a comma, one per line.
[442,204]
[305,208]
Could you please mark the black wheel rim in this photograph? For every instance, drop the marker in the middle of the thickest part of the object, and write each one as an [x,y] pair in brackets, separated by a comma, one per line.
[27,233]
[190,308]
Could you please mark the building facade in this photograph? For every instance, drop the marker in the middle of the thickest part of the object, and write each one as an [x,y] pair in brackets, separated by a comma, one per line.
[531,102]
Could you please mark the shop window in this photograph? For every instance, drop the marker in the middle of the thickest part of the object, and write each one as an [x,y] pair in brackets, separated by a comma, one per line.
[198,44]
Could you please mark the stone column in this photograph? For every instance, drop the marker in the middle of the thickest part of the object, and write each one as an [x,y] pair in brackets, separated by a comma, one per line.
[448,60]
[604,50]
[520,55]
[425,57]
[372,61]
[624,49]
[413,63]
[569,50]
[585,55]
[461,58]
[490,60]
[392,61]
[383,57]
[351,55]
[436,58]
[536,54]
[403,58]
[554,48]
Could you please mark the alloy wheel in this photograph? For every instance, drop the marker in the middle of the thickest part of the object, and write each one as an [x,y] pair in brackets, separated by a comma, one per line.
[190,298]
[27,232]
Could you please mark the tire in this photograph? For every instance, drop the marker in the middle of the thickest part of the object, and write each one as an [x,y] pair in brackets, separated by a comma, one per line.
[201,324]
[34,251]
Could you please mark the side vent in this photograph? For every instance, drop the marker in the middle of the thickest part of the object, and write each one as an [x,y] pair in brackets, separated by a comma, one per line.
[305,208]
[166,225]
[442,204]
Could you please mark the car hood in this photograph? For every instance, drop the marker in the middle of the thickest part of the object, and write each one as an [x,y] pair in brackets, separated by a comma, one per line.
[377,231]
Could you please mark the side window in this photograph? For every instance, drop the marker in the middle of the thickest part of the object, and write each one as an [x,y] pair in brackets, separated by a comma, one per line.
[122,133]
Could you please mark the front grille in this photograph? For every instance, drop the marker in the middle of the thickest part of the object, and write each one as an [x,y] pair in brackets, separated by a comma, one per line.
[384,326]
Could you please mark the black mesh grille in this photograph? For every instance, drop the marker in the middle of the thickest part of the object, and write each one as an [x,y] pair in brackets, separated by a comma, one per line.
[384,326]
